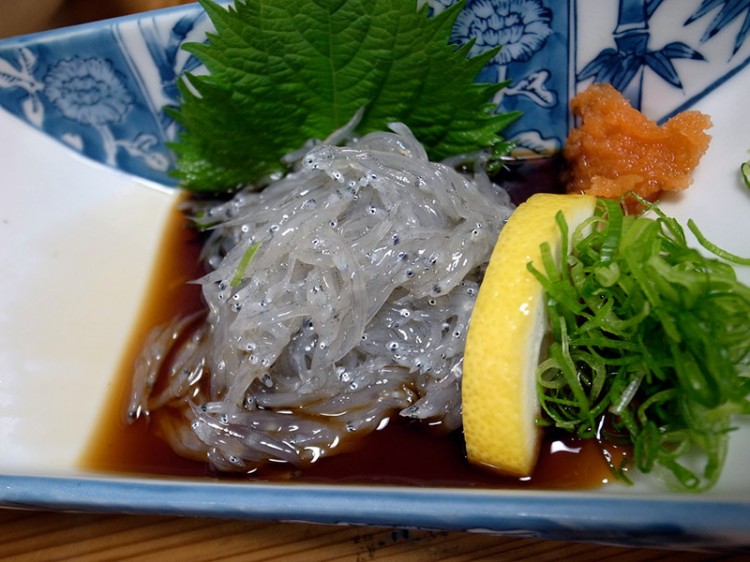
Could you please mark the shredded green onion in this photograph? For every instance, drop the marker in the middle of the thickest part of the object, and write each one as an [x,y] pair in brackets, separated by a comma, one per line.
[745,171]
[247,257]
[711,247]
[650,343]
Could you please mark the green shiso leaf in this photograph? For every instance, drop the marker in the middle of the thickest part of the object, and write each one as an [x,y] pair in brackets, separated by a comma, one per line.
[281,72]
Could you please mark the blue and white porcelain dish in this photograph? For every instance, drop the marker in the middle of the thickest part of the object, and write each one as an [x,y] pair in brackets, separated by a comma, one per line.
[102,89]
[84,174]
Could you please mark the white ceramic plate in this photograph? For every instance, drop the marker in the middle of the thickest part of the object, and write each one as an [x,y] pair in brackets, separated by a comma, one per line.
[77,243]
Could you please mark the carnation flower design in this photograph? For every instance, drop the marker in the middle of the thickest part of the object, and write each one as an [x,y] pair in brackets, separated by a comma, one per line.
[89,91]
[520,26]
[101,97]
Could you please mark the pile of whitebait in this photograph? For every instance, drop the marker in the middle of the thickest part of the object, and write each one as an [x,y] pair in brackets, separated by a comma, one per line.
[338,296]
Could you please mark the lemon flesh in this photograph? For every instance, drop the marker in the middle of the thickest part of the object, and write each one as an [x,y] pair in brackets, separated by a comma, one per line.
[504,341]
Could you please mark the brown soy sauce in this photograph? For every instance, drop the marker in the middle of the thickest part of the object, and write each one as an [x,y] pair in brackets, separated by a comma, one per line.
[523,177]
[399,454]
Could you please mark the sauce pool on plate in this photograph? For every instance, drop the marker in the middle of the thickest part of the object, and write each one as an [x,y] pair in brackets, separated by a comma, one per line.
[398,454]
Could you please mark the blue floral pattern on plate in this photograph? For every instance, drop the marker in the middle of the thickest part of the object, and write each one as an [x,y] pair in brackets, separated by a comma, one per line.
[104,90]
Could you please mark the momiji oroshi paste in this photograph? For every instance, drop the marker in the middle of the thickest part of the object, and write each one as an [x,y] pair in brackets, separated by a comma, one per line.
[616,149]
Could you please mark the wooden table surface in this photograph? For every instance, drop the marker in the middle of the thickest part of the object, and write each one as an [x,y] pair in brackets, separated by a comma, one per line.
[33,536]
[40,535]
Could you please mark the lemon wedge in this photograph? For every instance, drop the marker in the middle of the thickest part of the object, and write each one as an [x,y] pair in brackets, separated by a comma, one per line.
[504,341]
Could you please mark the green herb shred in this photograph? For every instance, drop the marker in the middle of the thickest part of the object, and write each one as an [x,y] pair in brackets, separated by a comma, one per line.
[649,344]
[247,257]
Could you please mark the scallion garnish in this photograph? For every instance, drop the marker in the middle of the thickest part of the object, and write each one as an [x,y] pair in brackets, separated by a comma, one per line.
[247,257]
[650,342]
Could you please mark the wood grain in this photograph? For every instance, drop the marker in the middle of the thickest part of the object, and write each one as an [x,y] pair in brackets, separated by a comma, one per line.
[43,536]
